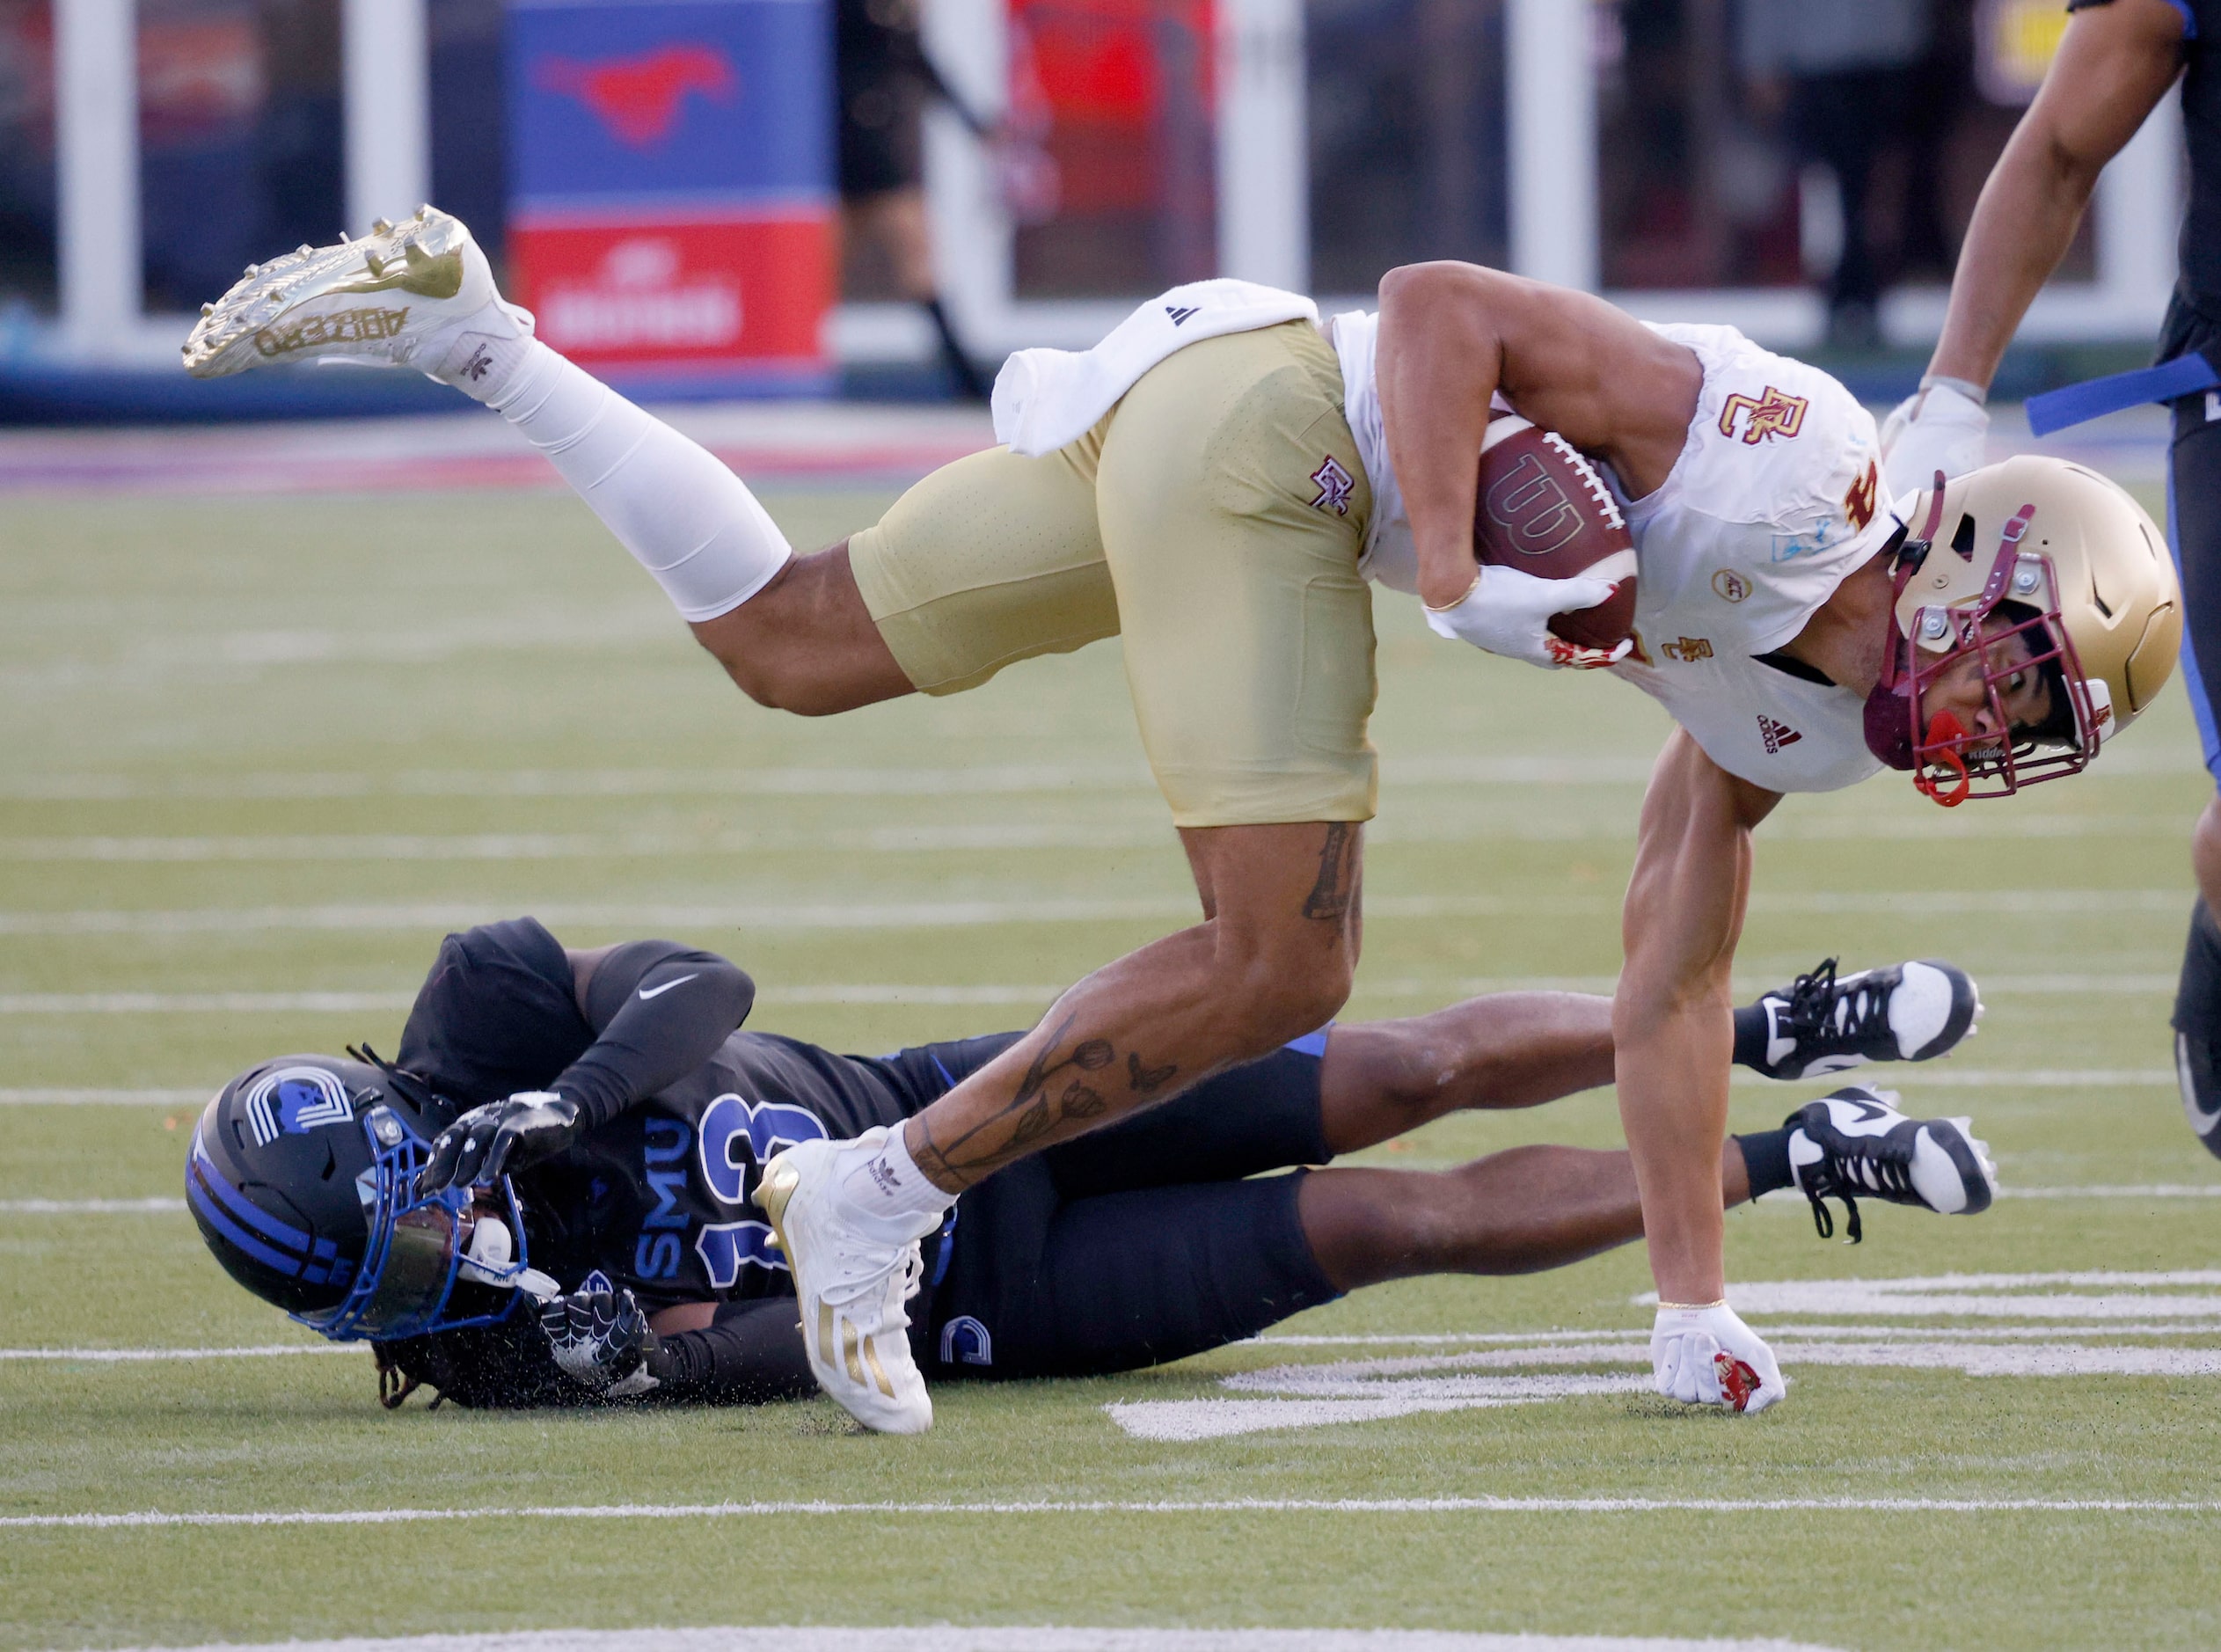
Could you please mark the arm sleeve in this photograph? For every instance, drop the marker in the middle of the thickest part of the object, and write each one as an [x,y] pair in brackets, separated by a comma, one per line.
[752,1353]
[660,1010]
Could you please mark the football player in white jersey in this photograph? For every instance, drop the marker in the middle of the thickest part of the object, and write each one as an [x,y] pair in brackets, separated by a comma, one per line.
[1215,482]
[1990,634]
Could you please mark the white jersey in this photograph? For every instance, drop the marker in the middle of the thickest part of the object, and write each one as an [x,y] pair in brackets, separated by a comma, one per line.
[1774,499]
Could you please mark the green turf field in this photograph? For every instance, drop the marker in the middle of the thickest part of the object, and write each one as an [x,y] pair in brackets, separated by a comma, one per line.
[259,756]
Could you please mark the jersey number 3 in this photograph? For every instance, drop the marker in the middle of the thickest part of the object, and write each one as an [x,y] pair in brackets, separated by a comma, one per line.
[730,1128]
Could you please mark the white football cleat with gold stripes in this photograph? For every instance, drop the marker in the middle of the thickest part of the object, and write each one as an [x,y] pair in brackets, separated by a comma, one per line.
[851,1286]
[405,294]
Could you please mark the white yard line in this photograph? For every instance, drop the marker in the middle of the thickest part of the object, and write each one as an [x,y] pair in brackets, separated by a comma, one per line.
[1031,1638]
[140,1356]
[961,836]
[64,1097]
[1785,1200]
[832,915]
[1929,1076]
[1414,769]
[198,1004]
[89,1207]
[367,1003]
[1039,992]
[1199,1506]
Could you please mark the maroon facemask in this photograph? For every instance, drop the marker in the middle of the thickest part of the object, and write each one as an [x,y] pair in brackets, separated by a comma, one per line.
[1949,763]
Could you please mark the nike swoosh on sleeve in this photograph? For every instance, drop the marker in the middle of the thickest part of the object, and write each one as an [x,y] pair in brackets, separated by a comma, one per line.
[652,992]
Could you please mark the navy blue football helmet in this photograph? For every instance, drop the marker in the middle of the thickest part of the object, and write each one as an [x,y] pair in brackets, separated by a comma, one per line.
[303,1178]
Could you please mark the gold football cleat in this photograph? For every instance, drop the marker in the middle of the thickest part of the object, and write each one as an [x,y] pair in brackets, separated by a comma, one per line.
[850,1291]
[381,298]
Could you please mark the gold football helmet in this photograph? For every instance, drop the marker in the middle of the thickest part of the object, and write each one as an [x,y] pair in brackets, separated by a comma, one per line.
[2053,552]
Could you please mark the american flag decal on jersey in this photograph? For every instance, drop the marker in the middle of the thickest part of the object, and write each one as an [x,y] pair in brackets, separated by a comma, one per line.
[1775,735]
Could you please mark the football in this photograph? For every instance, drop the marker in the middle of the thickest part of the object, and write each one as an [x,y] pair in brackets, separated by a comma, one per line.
[1543,509]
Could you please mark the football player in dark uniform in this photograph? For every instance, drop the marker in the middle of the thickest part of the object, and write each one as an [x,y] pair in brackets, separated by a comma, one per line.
[544,1198]
[2117,61]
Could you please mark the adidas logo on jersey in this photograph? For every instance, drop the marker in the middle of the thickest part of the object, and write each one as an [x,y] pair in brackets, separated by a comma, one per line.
[1775,735]
[1181,313]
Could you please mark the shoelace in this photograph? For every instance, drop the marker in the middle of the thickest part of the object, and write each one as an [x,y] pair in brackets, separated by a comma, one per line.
[1831,1178]
[855,1285]
[1820,1011]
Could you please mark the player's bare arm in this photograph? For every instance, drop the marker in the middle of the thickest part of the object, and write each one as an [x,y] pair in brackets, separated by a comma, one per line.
[1672,1027]
[2114,64]
[1452,335]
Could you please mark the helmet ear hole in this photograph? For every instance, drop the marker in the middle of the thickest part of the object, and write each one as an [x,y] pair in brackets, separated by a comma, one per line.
[1962,538]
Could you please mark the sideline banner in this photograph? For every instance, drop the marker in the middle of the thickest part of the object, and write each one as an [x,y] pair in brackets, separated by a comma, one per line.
[671,189]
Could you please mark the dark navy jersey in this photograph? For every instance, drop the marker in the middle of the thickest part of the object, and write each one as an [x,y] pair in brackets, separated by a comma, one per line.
[657,1198]
[2202,127]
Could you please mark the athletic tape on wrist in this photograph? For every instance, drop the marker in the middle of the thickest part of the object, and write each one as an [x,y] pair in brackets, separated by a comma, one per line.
[1966,387]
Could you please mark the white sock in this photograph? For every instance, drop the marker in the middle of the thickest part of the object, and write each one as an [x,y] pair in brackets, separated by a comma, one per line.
[685,518]
[888,1194]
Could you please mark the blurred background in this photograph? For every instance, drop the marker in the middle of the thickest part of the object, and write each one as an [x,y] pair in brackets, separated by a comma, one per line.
[881,198]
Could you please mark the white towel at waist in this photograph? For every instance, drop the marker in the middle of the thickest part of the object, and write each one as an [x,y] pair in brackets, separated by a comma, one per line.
[1044,398]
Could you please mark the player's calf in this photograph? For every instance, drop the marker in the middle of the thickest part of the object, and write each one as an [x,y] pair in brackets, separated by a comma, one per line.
[806,643]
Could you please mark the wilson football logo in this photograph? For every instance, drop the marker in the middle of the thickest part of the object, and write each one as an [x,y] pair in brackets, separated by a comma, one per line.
[1533,506]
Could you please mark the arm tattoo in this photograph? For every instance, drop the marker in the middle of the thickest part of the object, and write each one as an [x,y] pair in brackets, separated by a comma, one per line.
[1031,1118]
[1331,895]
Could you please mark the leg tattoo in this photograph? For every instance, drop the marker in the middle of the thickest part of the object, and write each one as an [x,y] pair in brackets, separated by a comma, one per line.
[1032,1117]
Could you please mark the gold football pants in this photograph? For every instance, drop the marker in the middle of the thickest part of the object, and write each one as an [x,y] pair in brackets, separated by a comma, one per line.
[1214,518]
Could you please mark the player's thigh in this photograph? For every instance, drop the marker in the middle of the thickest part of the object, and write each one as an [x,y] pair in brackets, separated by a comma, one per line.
[1262,1115]
[2194,530]
[1233,509]
[992,559]
[1134,1279]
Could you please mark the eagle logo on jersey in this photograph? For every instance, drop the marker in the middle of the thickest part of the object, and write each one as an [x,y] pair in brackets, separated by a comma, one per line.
[1775,412]
[1335,485]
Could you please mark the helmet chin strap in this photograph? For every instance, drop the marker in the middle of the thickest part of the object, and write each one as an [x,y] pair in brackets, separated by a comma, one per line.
[1939,747]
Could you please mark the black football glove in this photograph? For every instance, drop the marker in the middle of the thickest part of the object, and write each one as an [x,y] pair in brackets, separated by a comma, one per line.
[501,1136]
[603,1342]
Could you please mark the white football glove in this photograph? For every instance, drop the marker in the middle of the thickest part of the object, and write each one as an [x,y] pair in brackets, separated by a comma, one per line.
[1938,429]
[1508,612]
[1708,1357]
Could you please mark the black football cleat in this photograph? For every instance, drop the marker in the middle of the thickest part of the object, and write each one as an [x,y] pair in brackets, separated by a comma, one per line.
[1855,1144]
[1823,1022]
